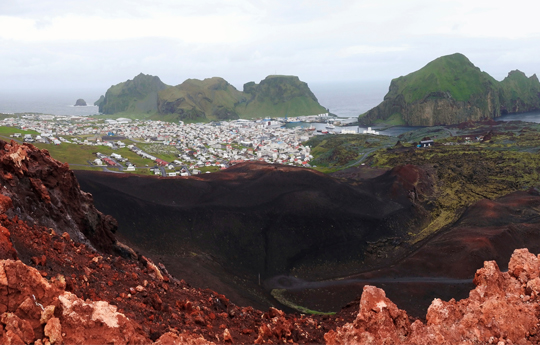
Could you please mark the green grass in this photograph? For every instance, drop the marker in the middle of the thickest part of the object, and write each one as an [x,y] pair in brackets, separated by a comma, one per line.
[210,169]
[278,294]
[335,152]
[12,130]
[394,120]
[454,74]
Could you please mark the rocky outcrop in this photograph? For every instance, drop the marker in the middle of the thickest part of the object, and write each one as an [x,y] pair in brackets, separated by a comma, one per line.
[451,90]
[34,310]
[502,309]
[45,192]
[80,103]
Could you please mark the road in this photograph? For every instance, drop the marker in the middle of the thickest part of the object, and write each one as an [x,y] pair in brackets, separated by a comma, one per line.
[293,283]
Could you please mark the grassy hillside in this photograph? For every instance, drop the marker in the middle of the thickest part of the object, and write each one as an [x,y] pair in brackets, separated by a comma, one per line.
[451,90]
[208,99]
[519,93]
[452,74]
[278,96]
[133,96]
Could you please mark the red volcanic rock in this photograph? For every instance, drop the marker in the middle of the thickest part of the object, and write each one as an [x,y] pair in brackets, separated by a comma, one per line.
[6,247]
[40,190]
[502,307]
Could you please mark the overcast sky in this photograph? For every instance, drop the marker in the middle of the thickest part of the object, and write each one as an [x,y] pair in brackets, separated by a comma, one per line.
[70,44]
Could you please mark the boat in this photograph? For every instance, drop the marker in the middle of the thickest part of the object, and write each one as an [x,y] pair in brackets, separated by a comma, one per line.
[330,126]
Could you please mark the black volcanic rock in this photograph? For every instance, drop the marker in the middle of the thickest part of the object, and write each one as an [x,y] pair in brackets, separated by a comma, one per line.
[80,103]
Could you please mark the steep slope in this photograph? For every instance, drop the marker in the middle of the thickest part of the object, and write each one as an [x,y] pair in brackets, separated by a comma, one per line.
[136,96]
[266,220]
[45,192]
[519,94]
[65,288]
[451,90]
[196,100]
[278,96]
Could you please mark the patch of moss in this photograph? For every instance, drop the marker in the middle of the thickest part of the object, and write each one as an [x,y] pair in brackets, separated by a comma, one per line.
[278,294]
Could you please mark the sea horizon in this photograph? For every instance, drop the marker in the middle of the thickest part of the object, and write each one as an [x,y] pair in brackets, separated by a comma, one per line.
[344,99]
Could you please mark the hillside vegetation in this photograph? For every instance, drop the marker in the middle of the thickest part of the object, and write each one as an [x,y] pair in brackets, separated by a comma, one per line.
[212,99]
[137,96]
[450,90]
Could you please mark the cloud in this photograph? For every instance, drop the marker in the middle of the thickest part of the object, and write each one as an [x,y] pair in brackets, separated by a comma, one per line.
[367,50]
[104,42]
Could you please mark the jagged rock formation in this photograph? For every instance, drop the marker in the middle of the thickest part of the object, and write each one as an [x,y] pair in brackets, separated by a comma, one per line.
[45,192]
[451,90]
[502,309]
[80,103]
[211,99]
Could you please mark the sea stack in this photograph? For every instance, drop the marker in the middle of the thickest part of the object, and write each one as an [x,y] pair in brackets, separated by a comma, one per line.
[80,103]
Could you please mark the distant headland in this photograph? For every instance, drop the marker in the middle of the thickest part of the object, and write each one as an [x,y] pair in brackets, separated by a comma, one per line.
[451,90]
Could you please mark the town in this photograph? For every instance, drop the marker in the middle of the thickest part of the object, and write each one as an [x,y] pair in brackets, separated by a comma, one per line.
[195,145]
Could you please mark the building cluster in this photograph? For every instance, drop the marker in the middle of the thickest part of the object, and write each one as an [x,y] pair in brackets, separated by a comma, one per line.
[197,145]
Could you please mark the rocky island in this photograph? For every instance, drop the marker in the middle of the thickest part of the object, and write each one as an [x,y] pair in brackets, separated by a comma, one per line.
[80,103]
[210,99]
[451,90]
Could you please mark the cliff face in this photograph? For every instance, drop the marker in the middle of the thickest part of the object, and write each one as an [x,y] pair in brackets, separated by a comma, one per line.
[138,96]
[451,90]
[45,192]
[519,94]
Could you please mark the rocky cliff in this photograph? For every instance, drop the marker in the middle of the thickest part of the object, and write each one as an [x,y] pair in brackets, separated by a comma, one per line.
[452,90]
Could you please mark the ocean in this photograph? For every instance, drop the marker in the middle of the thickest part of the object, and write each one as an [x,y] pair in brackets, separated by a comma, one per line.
[343,99]
[49,102]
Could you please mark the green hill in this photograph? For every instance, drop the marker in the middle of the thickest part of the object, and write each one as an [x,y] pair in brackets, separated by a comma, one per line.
[135,96]
[451,90]
[519,94]
[210,99]
[197,100]
[277,96]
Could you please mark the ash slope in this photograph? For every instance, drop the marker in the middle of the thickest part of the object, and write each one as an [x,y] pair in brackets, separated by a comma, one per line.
[257,218]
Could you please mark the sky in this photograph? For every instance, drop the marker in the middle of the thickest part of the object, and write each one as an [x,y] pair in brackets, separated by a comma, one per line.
[71,44]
